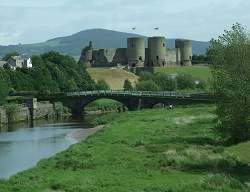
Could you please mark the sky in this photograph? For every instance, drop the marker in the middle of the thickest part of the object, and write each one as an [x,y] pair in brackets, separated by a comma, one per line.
[30,21]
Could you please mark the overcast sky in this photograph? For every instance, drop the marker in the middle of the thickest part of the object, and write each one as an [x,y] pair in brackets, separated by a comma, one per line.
[31,21]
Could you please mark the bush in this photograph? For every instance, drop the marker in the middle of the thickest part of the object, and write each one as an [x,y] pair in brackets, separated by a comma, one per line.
[202,85]
[148,85]
[102,85]
[185,81]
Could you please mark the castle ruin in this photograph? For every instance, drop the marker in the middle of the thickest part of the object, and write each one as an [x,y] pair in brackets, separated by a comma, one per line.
[136,55]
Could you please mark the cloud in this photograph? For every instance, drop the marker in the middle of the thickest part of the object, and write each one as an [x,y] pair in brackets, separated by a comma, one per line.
[190,19]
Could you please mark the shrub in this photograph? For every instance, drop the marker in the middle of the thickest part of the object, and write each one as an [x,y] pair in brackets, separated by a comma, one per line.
[148,85]
[102,85]
[185,81]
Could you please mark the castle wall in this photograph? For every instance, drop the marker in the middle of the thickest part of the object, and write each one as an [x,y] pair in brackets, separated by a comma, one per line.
[120,56]
[173,57]
[109,57]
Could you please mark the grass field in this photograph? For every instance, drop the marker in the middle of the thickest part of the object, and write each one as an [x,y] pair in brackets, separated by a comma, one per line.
[113,76]
[198,72]
[155,150]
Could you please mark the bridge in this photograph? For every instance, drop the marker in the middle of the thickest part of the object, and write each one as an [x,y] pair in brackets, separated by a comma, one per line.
[133,100]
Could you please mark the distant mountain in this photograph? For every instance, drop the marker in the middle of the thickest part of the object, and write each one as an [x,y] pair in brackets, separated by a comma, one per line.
[102,39]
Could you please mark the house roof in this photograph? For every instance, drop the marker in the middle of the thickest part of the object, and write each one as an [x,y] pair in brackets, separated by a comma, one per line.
[18,58]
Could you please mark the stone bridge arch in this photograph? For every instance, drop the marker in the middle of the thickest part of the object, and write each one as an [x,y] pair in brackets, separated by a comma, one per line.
[77,105]
[150,103]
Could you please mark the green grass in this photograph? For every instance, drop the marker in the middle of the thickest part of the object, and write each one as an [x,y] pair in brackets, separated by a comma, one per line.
[103,105]
[242,150]
[198,72]
[148,150]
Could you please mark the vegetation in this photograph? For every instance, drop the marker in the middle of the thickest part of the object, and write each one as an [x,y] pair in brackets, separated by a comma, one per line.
[104,105]
[199,59]
[5,86]
[51,72]
[164,82]
[185,81]
[6,56]
[230,56]
[198,72]
[127,85]
[156,150]
[102,85]
[11,110]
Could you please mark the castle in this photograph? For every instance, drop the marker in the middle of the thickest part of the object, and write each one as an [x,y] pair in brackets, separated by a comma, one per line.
[136,55]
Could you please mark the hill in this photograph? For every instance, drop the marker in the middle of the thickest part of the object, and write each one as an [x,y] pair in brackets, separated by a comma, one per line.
[102,38]
[114,77]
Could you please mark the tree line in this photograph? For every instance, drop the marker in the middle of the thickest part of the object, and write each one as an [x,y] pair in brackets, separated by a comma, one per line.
[51,73]
[163,82]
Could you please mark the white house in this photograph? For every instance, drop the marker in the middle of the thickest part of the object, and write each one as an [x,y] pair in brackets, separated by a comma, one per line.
[18,61]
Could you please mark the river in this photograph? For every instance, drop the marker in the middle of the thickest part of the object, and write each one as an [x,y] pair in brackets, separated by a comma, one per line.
[22,145]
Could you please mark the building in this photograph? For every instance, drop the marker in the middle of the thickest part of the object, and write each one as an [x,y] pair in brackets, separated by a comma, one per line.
[18,61]
[137,55]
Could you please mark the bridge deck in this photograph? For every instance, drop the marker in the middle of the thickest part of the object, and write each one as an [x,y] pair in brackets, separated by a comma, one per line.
[140,94]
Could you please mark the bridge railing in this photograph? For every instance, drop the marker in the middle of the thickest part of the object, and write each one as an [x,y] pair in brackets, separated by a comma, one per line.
[131,93]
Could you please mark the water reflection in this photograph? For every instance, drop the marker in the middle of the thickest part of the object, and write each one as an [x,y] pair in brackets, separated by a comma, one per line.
[23,145]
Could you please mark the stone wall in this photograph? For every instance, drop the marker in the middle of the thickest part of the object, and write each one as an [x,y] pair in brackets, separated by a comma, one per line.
[173,57]
[43,110]
[109,57]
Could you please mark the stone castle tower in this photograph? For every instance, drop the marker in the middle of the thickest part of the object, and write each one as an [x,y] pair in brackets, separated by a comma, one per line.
[156,51]
[186,51]
[136,52]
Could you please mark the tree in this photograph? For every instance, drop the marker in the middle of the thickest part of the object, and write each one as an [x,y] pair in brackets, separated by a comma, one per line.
[230,57]
[185,81]
[145,76]
[5,57]
[4,84]
[148,85]
[127,85]
[102,85]
[165,82]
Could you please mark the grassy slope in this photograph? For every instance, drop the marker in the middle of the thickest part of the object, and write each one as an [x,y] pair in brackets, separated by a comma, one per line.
[156,150]
[114,77]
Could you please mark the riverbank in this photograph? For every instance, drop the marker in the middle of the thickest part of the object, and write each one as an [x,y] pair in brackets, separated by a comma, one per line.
[146,150]
[80,135]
